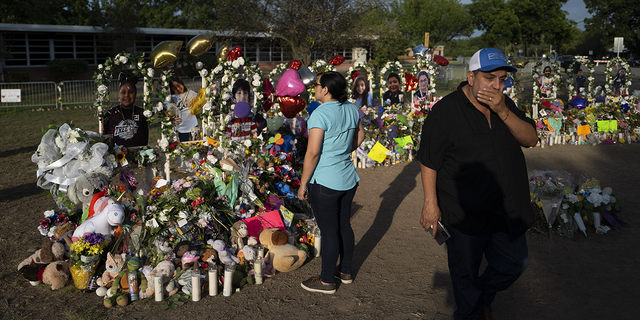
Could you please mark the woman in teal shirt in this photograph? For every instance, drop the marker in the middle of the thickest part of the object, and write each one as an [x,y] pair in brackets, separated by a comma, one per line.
[329,179]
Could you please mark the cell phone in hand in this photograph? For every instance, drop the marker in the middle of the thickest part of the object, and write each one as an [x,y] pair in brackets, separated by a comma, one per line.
[442,234]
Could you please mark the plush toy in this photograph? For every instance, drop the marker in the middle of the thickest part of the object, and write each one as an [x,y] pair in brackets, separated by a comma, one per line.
[146,271]
[186,282]
[167,270]
[225,255]
[55,274]
[285,257]
[113,266]
[238,233]
[82,191]
[112,215]
[50,252]
[120,290]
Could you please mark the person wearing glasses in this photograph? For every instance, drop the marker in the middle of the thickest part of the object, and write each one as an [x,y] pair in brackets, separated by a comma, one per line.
[329,178]
[423,88]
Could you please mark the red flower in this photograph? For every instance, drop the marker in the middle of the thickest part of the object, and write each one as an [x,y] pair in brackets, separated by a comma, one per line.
[45,223]
[62,219]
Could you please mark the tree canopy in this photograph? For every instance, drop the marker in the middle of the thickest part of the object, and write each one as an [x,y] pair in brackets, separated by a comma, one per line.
[443,19]
[615,18]
[525,22]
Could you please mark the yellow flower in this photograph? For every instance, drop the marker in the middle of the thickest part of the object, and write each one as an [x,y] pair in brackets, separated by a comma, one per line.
[120,156]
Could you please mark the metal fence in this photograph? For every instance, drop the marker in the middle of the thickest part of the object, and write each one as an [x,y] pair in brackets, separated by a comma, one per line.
[32,94]
[75,92]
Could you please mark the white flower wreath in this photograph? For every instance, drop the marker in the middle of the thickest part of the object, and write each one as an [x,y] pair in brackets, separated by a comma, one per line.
[616,63]
[591,70]
[391,66]
[360,66]
[138,67]
[535,73]
[432,68]
[227,71]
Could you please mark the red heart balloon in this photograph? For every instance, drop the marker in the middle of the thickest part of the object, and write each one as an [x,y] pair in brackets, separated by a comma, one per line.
[268,94]
[441,60]
[235,53]
[354,75]
[411,82]
[336,60]
[294,64]
[290,106]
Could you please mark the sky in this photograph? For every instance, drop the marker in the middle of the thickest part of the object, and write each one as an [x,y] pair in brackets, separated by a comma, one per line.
[576,8]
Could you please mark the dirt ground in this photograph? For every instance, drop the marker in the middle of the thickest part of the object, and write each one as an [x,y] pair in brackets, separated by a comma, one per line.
[400,273]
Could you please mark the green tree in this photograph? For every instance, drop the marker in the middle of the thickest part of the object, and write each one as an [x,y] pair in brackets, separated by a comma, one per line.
[523,22]
[615,18]
[68,12]
[443,19]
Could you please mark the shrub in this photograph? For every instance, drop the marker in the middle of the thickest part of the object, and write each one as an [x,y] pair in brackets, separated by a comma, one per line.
[19,76]
[67,69]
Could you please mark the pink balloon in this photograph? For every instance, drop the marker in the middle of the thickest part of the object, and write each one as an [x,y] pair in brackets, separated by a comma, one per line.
[290,84]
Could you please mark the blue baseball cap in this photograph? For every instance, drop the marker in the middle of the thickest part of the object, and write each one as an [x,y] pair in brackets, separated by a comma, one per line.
[489,59]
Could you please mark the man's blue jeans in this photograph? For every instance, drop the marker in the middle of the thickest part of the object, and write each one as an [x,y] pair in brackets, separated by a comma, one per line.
[507,259]
[332,209]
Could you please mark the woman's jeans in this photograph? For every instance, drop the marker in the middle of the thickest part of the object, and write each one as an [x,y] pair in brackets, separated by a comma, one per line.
[332,209]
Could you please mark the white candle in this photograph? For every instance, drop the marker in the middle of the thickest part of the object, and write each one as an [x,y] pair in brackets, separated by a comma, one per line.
[157,286]
[228,278]
[213,280]
[257,269]
[195,286]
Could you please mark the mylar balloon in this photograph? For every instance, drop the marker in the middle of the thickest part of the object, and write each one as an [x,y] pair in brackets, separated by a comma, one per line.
[273,124]
[165,53]
[307,77]
[441,60]
[200,44]
[298,126]
[290,84]
[578,103]
[268,96]
[336,60]
[294,64]
[420,51]
[222,53]
[312,106]
[242,109]
[411,81]
[196,103]
[235,53]
[520,62]
[287,145]
[290,106]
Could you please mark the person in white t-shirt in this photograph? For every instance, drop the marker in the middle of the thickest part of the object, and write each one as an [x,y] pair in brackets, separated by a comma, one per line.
[178,108]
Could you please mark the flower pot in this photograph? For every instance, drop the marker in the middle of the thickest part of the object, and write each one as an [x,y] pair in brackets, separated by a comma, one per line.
[82,272]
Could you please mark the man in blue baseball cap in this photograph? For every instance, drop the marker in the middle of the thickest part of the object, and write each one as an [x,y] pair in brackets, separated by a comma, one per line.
[475,182]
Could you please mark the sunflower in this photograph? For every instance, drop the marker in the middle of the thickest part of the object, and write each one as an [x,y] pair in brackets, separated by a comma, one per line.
[120,156]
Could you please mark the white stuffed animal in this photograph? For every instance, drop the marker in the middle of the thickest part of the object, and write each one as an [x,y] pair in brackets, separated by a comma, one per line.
[112,215]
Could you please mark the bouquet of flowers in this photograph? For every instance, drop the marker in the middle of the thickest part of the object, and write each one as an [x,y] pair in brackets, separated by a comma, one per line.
[85,255]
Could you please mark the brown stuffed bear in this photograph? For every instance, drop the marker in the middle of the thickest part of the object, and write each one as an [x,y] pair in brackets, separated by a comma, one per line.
[50,252]
[285,257]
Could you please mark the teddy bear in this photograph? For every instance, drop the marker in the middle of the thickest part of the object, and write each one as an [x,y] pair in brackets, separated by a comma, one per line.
[55,273]
[51,251]
[113,266]
[112,215]
[120,290]
[167,270]
[225,255]
[285,257]
[82,191]
[238,233]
